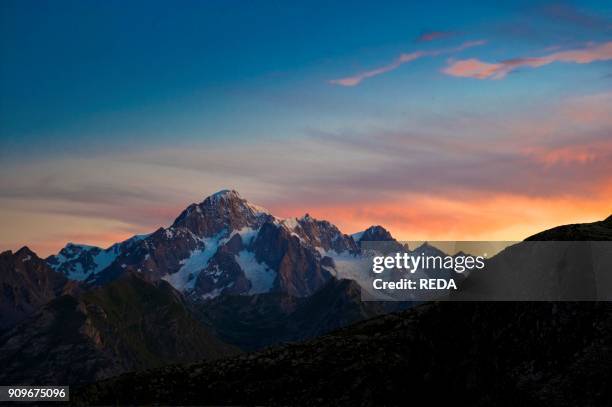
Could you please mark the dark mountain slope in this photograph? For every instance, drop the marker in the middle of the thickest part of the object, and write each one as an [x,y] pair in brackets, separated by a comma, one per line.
[595,231]
[130,324]
[550,266]
[255,322]
[250,322]
[336,305]
[26,283]
[555,354]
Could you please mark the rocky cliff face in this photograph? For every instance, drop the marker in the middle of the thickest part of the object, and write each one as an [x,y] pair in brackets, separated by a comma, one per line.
[323,235]
[221,213]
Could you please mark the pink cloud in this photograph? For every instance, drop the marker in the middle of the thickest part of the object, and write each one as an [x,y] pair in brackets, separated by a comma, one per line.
[583,153]
[474,68]
[358,78]
[400,60]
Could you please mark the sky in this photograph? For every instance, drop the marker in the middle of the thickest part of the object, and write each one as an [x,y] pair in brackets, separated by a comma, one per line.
[437,120]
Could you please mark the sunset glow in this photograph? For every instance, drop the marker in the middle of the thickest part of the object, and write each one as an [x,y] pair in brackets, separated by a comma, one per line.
[473,124]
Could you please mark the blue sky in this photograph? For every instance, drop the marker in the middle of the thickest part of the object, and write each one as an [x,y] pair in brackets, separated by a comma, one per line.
[127,81]
[144,72]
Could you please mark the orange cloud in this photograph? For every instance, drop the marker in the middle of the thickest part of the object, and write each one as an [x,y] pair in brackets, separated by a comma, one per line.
[474,68]
[399,61]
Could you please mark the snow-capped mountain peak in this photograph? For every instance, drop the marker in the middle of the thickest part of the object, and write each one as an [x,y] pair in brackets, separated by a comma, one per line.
[222,245]
[79,261]
[375,233]
[223,211]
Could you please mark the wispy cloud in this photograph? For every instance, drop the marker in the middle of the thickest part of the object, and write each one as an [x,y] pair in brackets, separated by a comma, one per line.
[475,68]
[356,79]
[450,178]
[434,35]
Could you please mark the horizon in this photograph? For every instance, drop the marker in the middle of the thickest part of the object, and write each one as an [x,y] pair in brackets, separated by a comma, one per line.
[447,245]
[447,122]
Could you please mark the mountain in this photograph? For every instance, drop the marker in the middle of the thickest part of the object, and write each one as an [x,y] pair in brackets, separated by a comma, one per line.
[129,324]
[224,267]
[226,245]
[533,354]
[78,262]
[27,283]
[373,233]
[221,213]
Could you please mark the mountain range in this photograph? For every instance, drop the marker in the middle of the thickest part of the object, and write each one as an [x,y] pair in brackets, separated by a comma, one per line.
[226,277]
[468,353]
[222,245]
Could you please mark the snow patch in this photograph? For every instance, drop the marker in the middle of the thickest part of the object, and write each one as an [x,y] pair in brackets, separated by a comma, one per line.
[260,276]
[247,235]
[212,294]
[257,210]
[290,223]
[351,267]
[185,278]
[73,267]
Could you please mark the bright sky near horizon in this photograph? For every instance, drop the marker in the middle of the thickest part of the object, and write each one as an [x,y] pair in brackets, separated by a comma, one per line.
[437,120]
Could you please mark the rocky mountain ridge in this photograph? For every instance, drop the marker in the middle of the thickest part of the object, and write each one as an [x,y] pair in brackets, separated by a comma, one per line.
[224,245]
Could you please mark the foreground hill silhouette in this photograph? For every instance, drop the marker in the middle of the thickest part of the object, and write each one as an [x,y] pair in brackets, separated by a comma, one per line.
[464,353]
[596,231]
